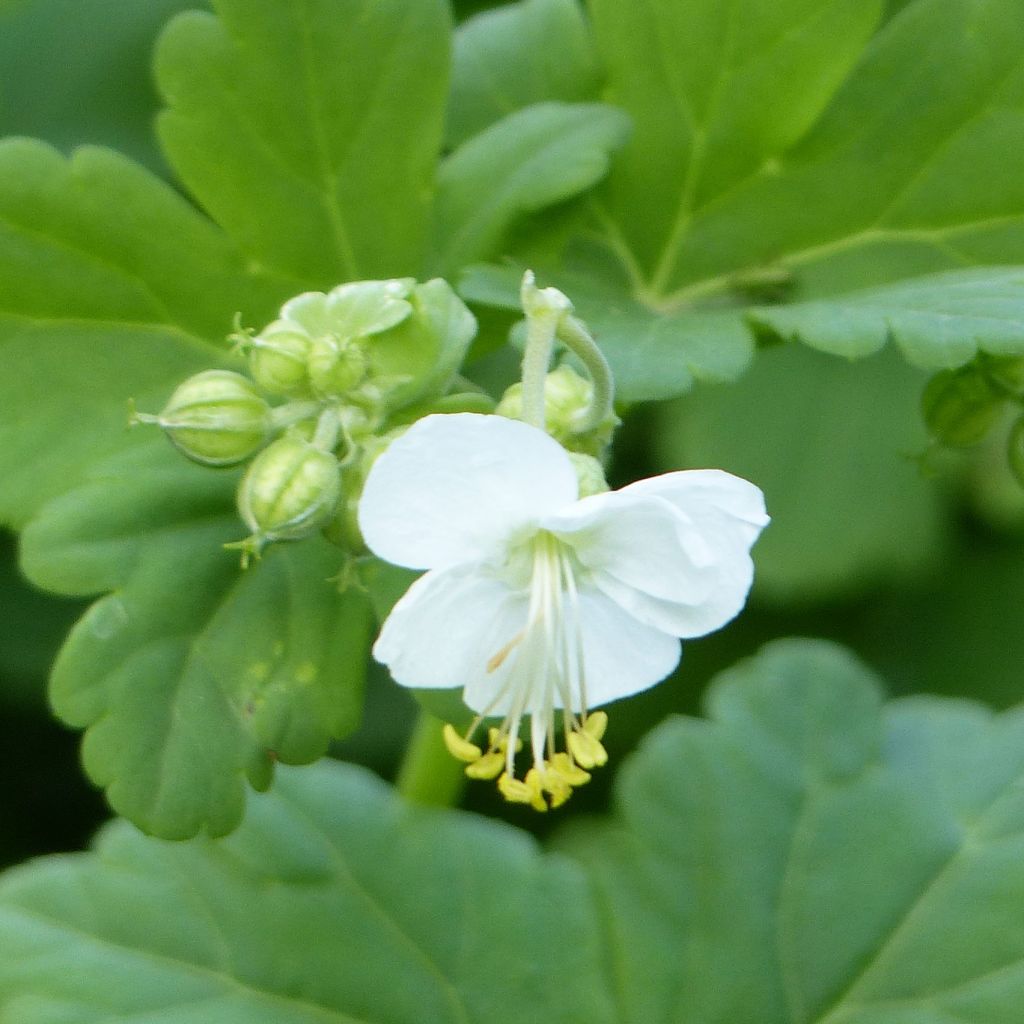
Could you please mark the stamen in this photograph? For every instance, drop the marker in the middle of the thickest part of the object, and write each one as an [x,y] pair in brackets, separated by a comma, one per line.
[549,669]
[497,660]
[461,749]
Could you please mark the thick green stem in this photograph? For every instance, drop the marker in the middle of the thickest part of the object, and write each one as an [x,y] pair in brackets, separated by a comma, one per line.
[540,342]
[429,774]
[577,339]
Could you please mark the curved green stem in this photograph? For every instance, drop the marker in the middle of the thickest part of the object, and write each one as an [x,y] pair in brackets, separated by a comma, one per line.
[577,339]
[428,773]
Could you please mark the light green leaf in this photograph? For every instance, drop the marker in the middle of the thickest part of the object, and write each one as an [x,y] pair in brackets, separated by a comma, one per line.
[112,288]
[535,157]
[938,321]
[192,675]
[832,446]
[888,184]
[310,130]
[738,882]
[716,91]
[333,904]
[651,356]
[517,55]
[780,154]
[810,857]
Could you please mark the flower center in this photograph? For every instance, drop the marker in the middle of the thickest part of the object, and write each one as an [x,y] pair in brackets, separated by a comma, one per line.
[537,672]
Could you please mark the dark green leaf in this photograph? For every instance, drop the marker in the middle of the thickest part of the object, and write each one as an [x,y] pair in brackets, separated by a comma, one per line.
[779,153]
[192,675]
[806,855]
[810,856]
[832,445]
[79,72]
[112,288]
[333,904]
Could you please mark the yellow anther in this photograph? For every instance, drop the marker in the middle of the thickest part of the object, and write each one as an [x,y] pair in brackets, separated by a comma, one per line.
[461,749]
[489,766]
[535,783]
[564,765]
[497,740]
[554,782]
[587,750]
[528,791]
[595,725]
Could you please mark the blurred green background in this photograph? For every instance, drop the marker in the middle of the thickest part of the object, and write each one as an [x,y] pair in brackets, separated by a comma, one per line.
[915,559]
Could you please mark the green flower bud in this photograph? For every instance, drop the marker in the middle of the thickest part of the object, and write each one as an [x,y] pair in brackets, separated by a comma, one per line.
[1015,450]
[567,398]
[216,418]
[277,359]
[336,365]
[960,406]
[1006,373]
[589,473]
[291,489]
[416,359]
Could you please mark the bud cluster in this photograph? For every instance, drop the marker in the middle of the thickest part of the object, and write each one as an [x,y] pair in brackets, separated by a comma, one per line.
[341,367]
[962,406]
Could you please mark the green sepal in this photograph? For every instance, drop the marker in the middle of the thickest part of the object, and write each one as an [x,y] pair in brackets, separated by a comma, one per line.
[421,355]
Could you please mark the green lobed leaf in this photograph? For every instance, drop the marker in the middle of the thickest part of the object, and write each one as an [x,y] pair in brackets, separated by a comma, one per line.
[811,856]
[535,157]
[333,904]
[715,91]
[780,154]
[807,855]
[115,288]
[651,356]
[832,446]
[514,56]
[310,130]
[192,675]
[938,321]
[94,312]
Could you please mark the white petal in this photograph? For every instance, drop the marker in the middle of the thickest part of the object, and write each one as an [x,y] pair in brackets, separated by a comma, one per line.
[459,488]
[673,551]
[622,655]
[696,490]
[642,541]
[724,601]
[446,628]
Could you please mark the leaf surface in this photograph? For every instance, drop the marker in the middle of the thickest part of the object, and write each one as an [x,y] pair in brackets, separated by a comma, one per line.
[806,855]
[834,448]
[310,130]
[97,309]
[533,158]
[513,56]
[792,153]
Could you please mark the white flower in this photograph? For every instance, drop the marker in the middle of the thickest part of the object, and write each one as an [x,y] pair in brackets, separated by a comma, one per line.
[536,600]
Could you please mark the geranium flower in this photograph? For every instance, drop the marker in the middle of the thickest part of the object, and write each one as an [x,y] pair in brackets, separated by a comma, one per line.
[536,600]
